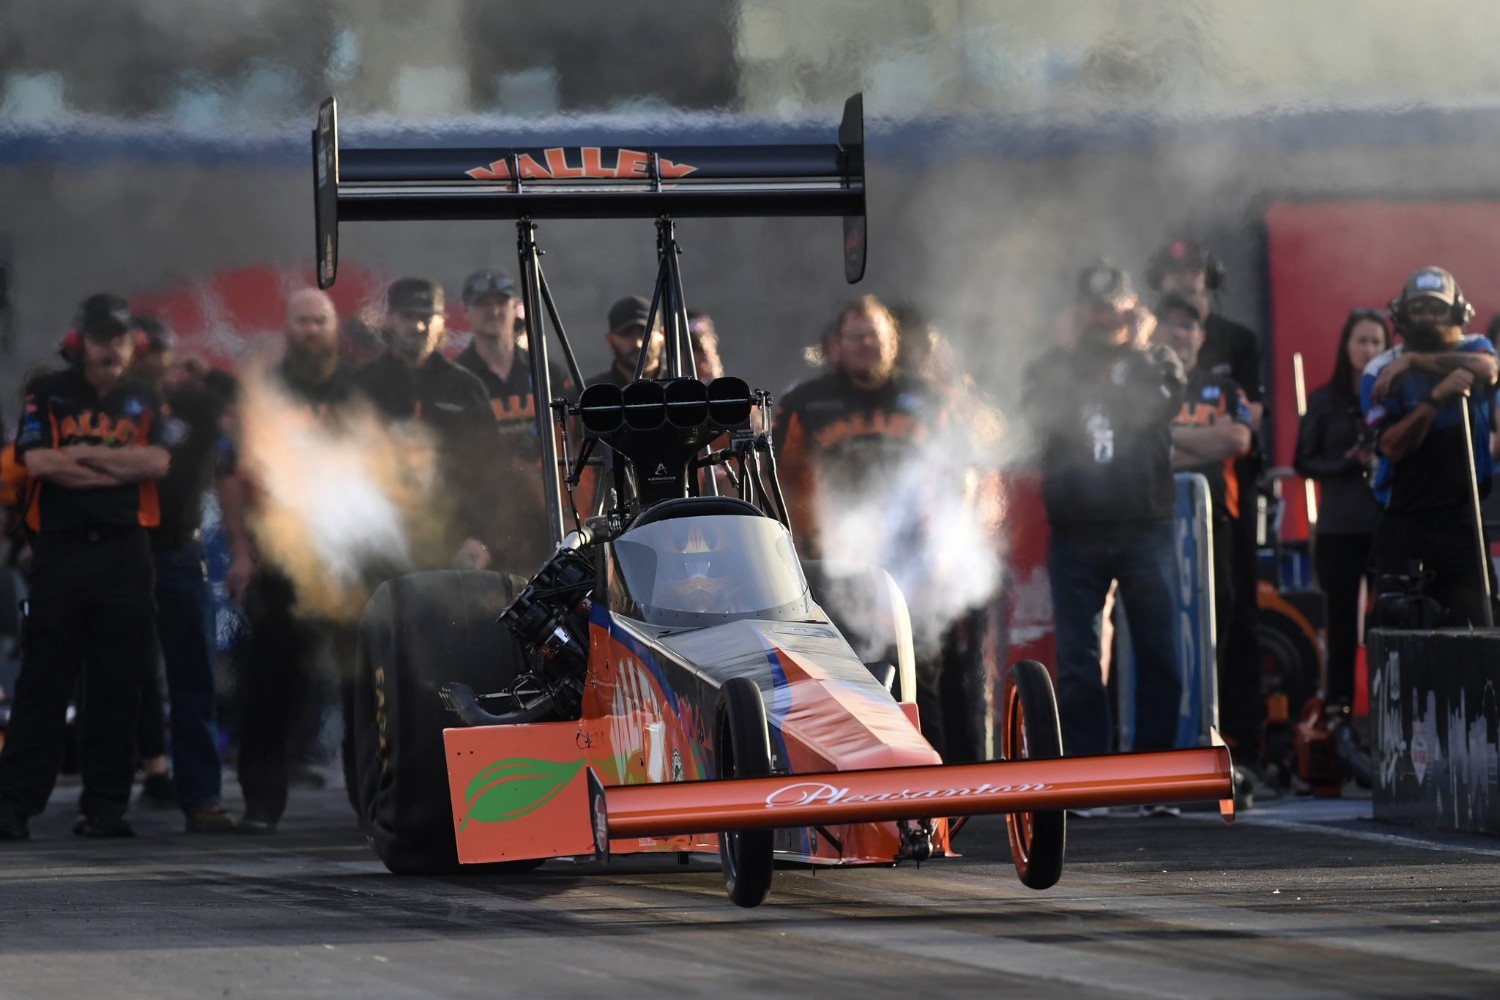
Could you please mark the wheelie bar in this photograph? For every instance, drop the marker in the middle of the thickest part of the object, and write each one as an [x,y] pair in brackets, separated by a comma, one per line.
[832,798]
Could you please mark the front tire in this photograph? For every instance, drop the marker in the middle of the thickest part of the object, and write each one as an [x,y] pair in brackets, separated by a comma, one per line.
[1031,730]
[419,632]
[744,751]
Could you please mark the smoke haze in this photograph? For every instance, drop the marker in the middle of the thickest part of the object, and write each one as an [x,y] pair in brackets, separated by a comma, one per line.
[340,505]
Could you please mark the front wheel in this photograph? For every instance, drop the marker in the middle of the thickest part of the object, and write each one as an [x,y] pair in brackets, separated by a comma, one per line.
[744,751]
[1030,730]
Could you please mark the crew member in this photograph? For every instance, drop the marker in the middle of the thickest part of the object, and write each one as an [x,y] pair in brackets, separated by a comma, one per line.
[515,482]
[848,446]
[1101,408]
[705,338]
[414,382]
[279,653]
[1413,399]
[627,338]
[184,599]
[1230,350]
[90,439]
[1211,432]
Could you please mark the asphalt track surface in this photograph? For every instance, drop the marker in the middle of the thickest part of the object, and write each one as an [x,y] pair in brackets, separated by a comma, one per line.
[1301,898]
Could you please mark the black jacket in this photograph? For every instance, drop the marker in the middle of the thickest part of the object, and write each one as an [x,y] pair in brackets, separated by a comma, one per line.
[1103,419]
[1331,427]
[453,404]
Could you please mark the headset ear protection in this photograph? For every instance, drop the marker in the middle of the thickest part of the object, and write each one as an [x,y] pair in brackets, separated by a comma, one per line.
[1459,314]
[1182,255]
[71,347]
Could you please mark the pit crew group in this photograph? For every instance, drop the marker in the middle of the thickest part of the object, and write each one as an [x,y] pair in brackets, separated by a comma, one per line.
[116,450]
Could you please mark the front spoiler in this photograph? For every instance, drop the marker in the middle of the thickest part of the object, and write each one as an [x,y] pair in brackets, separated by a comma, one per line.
[534,791]
[898,793]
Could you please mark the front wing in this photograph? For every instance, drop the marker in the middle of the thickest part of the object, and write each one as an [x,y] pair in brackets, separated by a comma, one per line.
[526,792]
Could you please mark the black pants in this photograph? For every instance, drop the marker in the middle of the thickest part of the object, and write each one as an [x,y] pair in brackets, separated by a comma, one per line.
[278,677]
[1241,703]
[1342,562]
[1443,540]
[90,602]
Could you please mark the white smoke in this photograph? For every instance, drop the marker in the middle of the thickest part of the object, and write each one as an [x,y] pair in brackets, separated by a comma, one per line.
[933,523]
[340,504]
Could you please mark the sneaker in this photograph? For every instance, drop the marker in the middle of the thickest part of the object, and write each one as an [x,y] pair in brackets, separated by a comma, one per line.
[157,790]
[13,825]
[102,826]
[1159,812]
[254,825]
[210,818]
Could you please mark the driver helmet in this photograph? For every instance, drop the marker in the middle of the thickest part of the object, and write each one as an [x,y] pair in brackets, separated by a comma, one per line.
[695,567]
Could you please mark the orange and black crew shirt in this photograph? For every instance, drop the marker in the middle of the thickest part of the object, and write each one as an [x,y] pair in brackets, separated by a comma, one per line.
[1208,401]
[828,432]
[62,409]
[512,398]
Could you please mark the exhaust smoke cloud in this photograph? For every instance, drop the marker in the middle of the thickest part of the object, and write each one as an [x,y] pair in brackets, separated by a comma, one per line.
[341,504]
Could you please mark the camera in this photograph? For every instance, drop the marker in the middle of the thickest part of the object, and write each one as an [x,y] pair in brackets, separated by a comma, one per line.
[1402,601]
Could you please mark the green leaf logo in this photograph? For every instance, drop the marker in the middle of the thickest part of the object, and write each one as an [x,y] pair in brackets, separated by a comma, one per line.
[514,788]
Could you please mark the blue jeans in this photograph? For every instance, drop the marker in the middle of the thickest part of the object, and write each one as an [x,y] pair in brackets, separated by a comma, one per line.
[185,629]
[1082,563]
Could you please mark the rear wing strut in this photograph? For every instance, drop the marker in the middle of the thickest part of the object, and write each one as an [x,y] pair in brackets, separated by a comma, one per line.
[588,182]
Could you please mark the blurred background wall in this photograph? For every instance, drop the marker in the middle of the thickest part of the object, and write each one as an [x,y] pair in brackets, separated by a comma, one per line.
[155,146]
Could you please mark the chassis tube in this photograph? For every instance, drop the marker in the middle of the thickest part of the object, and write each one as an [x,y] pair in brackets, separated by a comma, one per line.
[838,797]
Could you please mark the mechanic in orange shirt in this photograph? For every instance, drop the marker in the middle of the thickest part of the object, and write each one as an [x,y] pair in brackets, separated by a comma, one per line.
[849,447]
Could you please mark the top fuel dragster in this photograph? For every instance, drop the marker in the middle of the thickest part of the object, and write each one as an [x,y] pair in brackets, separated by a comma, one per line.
[673,679]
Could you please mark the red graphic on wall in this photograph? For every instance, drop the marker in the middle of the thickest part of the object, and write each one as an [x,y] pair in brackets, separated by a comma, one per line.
[1326,258]
[222,317]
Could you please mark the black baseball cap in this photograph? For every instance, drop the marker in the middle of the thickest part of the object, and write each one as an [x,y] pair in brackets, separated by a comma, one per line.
[103,316]
[487,282]
[628,313]
[1103,283]
[1181,303]
[414,295]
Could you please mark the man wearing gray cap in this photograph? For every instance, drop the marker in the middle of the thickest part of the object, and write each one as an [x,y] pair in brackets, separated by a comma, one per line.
[1101,410]
[1413,401]
[493,356]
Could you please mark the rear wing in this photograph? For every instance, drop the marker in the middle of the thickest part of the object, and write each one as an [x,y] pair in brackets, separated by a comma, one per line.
[588,182]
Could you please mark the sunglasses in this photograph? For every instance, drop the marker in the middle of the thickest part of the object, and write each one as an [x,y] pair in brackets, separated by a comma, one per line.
[1372,315]
[1428,307]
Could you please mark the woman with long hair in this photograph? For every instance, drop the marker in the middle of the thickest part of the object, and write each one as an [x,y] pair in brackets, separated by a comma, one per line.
[1334,450]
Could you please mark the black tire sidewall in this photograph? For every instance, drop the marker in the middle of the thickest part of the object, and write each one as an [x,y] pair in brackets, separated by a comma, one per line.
[418,633]
[747,855]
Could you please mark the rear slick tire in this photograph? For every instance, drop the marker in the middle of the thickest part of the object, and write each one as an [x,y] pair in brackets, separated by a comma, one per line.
[1030,730]
[744,751]
[418,633]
